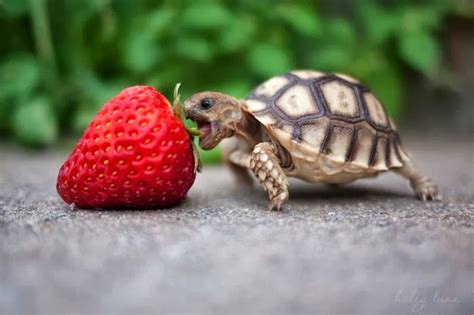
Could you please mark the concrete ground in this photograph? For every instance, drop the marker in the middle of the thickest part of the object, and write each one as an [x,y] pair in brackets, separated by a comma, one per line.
[367,248]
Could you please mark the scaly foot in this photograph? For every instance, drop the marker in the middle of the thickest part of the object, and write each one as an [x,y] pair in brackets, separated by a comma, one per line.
[265,166]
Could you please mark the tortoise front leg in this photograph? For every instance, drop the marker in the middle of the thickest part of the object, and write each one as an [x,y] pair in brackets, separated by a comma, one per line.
[265,165]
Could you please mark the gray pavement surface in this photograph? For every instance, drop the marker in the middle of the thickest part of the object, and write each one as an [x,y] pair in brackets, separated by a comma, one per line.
[365,248]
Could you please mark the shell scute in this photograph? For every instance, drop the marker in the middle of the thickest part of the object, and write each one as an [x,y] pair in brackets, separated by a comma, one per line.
[269,87]
[297,101]
[364,145]
[376,112]
[378,161]
[340,99]
[338,143]
[393,160]
[308,74]
[255,105]
[314,134]
[347,78]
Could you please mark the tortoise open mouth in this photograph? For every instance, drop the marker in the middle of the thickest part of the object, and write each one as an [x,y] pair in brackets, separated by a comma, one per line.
[206,140]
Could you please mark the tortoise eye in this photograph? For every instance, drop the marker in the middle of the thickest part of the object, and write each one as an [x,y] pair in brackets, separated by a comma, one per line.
[207,103]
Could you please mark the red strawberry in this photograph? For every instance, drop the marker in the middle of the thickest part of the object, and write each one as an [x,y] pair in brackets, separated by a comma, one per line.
[134,153]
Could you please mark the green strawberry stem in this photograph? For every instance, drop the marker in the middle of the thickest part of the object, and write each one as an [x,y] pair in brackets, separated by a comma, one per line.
[177,107]
[193,132]
[178,110]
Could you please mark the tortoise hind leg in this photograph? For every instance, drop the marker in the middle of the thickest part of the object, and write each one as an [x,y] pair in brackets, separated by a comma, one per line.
[423,186]
[237,160]
[238,163]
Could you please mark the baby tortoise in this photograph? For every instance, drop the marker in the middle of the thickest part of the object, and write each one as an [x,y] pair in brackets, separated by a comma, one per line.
[319,127]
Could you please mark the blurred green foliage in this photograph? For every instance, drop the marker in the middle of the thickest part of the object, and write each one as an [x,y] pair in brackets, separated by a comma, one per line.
[62,59]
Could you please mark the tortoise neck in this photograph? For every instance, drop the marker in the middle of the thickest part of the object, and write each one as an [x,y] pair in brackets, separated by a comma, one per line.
[248,128]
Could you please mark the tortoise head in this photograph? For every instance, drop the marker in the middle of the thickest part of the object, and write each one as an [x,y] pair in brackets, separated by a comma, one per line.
[216,115]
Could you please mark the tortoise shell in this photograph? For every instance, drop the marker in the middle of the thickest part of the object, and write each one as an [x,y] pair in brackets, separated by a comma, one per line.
[331,115]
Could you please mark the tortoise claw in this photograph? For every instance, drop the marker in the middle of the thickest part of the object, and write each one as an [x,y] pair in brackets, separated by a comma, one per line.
[427,190]
[424,187]
[277,202]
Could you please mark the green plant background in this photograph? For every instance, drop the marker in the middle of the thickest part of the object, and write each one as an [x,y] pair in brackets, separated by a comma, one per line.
[62,59]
